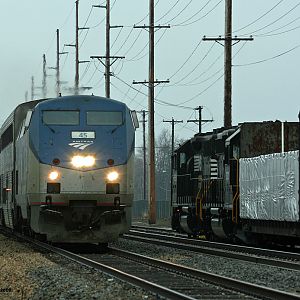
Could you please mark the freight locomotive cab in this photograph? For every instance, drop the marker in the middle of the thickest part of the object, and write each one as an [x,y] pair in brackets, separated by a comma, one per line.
[73,168]
[214,190]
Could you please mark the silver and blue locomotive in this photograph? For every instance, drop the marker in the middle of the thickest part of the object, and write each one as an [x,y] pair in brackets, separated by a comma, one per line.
[67,169]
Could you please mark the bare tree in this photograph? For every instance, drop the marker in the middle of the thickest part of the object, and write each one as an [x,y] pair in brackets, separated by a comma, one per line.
[162,173]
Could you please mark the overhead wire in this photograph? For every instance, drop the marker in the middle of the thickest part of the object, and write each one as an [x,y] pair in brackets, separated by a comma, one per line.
[68,17]
[187,23]
[86,70]
[125,40]
[267,59]
[184,8]
[260,17]
[212,84]
[196,66]
[187,59]
[144,18]
[156,43]
[273,22]
[190,83]
[96,69]
[118,89]
[116,38]
[269,33]
[165,14]
[134,42]
[181,127]
[279,33]
[158,101]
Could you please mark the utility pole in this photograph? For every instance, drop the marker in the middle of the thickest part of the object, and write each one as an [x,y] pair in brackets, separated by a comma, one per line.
[143,112]
[32,88]
[26,96]
[58,53]
[44,83]
[173,122]
[107,60]
[144,154]
[228,61]
[77,61]
[57,68]
[151,87]
[228,65]
[200,120]
[57,64]
[77,51]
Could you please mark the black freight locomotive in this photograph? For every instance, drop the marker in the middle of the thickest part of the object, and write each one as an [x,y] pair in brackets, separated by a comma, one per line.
[239,183]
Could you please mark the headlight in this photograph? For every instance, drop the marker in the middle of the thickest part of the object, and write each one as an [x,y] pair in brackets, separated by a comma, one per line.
[79,161]
[53,175]
[112,176]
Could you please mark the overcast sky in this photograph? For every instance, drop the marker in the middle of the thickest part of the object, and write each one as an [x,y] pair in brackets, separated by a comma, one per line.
[266,72]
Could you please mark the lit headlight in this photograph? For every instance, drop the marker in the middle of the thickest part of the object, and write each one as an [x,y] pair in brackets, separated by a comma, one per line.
[79,161]
[53,175]
[112,176]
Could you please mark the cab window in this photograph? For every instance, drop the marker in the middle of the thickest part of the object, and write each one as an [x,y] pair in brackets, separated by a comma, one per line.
[60,117]
[104,118]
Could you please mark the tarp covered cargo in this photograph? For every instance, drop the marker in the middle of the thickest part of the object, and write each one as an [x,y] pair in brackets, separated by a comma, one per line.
[269,187]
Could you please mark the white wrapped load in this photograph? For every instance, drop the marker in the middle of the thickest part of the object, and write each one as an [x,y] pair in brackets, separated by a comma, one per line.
[269,187]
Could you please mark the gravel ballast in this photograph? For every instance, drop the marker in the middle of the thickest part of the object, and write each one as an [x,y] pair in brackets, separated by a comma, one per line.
[273,277]
[27,274]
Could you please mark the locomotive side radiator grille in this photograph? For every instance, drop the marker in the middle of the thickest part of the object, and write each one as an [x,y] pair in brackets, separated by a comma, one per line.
[213,168]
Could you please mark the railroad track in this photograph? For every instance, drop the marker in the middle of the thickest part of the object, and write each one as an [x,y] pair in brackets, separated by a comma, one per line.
[268,257]
[166,279]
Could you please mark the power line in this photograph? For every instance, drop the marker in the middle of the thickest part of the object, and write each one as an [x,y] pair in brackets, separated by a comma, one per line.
[259,18]
[168,11]
[195,67]
[187,23]
[267,59]
[158,101]
[190,83]
[279,28]
[275,21]
[186,6]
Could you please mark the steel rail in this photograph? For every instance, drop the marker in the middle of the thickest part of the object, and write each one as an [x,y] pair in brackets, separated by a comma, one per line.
[228,283]
[187,244]
[251,250]
[147,285]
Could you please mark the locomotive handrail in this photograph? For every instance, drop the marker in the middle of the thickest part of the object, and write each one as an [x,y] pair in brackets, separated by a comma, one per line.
[236,196]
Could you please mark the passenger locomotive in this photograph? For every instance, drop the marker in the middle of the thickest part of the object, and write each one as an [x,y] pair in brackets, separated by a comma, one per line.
[67,169]
[239,183]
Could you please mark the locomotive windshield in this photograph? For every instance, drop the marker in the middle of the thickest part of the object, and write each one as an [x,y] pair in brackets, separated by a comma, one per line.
[104,118]
[60,117]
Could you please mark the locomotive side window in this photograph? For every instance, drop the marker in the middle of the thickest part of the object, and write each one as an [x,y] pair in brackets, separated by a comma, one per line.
[25,124]
[7,137]
[61,117]
[104,118]
[182,159]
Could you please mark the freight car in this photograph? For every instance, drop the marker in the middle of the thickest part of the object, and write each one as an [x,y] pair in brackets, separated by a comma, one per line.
[239,183]
[66,169]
